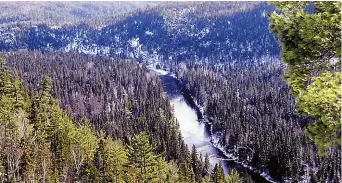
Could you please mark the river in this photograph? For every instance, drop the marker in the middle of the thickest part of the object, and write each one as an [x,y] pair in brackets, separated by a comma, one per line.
[194,132]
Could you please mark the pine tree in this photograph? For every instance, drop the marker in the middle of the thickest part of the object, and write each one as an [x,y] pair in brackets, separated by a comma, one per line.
[172,175]
[217,175]
[206,179]
[83,146]
[114,160]
[58,137]
[195,163]
[311,48]
[99,158]
[26,164]
[186,173]
[40,119]
[206,166]
[89,173]
[233,177]
[9,100]
[140,155]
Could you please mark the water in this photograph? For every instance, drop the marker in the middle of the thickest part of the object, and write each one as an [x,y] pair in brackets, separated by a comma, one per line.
[194,132]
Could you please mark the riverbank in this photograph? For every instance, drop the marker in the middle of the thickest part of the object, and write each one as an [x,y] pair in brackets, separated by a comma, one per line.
[229,160]
[215,138]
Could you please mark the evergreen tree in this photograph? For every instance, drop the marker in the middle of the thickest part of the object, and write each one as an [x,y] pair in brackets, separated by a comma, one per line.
[233,177]
[206,179]
[195,163]
[217,175]
[311,48]
[172,173]
[140,155]
[89,173]
[186,173]
[99,158]
[83,146]
[206,166]
[57,149]
[40,119]
[26,164]
[9,100]
[114,160]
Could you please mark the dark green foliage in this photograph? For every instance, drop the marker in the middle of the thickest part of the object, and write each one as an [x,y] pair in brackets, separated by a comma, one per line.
[233,177]
[196,163]
[186,172]
[206,166]
[58,148]
[311,48]
[253,112]
[118,97]
[217,175]
[90,173]
[140,156]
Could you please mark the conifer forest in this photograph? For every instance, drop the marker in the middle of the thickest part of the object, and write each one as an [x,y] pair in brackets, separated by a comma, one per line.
[170,92]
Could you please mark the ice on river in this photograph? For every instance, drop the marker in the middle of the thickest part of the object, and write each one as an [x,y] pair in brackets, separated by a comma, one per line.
[193,132]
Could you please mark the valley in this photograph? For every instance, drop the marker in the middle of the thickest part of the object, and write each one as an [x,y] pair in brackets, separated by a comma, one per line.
[176,92]
[195,131]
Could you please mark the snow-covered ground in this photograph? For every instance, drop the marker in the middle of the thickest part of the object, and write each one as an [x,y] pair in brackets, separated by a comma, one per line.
[160,71]
[193,132]
[216,137]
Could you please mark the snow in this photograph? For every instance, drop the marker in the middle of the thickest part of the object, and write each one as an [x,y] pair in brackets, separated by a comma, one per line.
[134,42]
[160,71]
[215,138]
[105,50]
[149,33]
[203,33]
[206,44]
[116,38]
[263,14]
[55,27]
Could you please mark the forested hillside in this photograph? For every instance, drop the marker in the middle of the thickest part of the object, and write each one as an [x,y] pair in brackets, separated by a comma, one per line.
[82,99]
[252,115]
[156,35]
[118,97]
[42,142]
[66,13]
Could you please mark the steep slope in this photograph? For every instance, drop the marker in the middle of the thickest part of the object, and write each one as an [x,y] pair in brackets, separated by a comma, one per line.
[41,143]
[252,117]
[153,36]
[62,13]
[118,97]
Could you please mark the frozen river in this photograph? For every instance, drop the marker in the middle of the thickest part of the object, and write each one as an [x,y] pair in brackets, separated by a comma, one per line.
[194,132]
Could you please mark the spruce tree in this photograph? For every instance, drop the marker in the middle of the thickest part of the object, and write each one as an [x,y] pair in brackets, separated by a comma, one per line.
[115,159]
[140,155]
[99,159]
[217,175]
[206,166]
[172,173]
[233,177]
[9,120]
[195,163]
[186,173]
[311,48]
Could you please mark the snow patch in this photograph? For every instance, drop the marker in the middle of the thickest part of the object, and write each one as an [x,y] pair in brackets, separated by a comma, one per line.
[149,33]
[134,42]
[215,139]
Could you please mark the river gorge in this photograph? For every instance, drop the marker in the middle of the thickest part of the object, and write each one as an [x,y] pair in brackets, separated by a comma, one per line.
[195,132]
